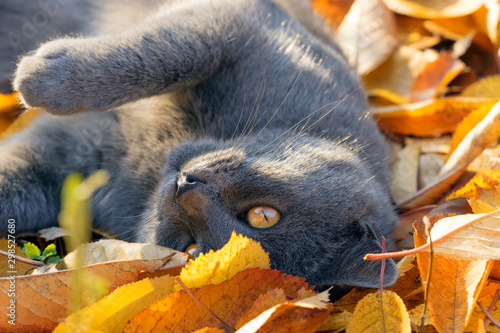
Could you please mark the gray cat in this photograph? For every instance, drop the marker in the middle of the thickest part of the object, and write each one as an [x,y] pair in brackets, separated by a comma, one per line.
[210,116]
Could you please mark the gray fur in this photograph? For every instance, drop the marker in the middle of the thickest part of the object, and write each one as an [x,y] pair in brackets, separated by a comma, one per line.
[248,101]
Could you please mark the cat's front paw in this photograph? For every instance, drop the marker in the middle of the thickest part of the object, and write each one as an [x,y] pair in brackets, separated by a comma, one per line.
[56,77]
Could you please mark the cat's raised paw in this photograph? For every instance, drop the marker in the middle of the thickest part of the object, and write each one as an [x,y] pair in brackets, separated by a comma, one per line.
[56,78]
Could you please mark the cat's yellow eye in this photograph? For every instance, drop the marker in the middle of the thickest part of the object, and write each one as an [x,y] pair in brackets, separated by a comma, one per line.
[263,217]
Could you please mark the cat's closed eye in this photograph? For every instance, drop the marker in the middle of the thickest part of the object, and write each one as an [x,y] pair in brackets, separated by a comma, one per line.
[262,217]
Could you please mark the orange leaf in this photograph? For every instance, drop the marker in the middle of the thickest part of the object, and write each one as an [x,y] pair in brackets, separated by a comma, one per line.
[454,286]
[9,103]
[435,76]
[468,123]
[264,302]
[485,179]
[332,11]
[228,300]
[304,316]
[428,118]
[209,330]
[486,297]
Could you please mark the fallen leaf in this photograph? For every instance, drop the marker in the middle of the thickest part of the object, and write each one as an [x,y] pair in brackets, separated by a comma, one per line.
[485,179]
[333,11]
[416,316]
[486,297]
[429,9]
[455,282]
[404,168]
[209,330]
[394,78]
[108,250]
[42,299]
[428,118]
[264,302]
[488,87]
[381,311]
[228,300]
[238,254]
[367,34]
[15,122]
[483,134]
[302,316]
[467,124]
[434,77]
[112,313]
[12,266]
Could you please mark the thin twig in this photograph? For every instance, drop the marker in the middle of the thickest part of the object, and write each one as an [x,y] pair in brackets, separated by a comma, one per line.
[190,293]
[488,315]
[381,286]
[490,308]
[431,260]
[21,259]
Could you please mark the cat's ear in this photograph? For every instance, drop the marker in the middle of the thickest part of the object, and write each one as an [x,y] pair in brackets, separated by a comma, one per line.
[354,270]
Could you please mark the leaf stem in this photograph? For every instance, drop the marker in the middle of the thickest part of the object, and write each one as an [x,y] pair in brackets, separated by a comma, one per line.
[487,314]
[21,259]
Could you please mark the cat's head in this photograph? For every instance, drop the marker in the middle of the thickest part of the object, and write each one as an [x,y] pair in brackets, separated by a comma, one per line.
[314,206]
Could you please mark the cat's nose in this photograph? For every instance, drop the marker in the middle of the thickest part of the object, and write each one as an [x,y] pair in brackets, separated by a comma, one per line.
[186,183]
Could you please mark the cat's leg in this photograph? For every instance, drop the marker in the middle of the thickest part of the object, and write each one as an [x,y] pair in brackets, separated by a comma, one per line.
[35,162]
[182,45]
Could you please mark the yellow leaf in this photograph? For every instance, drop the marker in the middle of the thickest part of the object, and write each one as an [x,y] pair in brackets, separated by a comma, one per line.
[467,124]
[416,316]
[485,179]
[112,313]
[376,314]
[428,118]
[488,87]
[434,8]
[238,254]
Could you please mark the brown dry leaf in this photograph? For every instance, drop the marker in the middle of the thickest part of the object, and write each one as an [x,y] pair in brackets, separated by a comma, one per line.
[12,266]
[435,76]
[42,299]
[381,311]
[333,11]
[228,300]
[404,168]
[107,250]
[112,313]
[486,297]
[338,319]
[428,118]
[429,9]
[495,271]
[238,254]
[394,78]
[304,316]
[430,194]
[367,35]
[455,282]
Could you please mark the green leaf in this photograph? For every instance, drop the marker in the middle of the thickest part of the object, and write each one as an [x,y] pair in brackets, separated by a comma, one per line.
[32,251]
[53,259]
[49,251]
